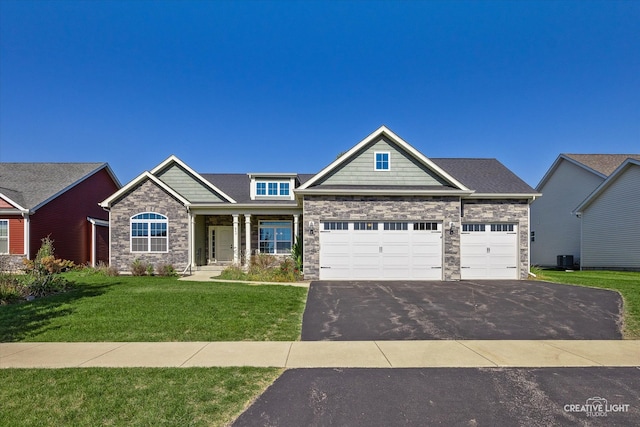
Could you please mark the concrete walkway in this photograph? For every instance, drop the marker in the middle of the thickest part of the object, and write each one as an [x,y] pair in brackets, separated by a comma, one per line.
[323,354]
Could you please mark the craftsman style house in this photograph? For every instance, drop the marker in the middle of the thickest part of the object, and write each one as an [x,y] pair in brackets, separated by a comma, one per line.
[380,211]
[58,200]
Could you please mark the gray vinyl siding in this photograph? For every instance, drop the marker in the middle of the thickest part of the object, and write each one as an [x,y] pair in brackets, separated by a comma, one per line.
[187,186]
[557,231]
[610,228]
[404,170]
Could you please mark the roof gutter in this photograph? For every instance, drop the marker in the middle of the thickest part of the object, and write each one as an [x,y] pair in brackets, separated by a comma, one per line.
[381,192]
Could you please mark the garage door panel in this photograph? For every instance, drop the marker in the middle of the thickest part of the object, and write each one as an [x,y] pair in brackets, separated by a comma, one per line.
[382,253]
[489,254]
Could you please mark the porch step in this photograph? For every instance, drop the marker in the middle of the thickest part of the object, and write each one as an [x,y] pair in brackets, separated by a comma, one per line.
[215,270]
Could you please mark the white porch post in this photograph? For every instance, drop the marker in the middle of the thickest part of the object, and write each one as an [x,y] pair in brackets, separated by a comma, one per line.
[236,240]
[192,239]
[247,236]
[296,219]
[27,235]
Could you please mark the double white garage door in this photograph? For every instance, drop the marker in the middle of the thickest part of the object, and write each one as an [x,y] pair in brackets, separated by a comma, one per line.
[352,250]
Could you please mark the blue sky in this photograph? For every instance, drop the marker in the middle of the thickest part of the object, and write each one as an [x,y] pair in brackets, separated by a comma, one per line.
[284,86]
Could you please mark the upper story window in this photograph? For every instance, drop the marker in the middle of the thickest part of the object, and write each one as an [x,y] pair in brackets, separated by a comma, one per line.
[4,236]
[272,188]
[382,161]
[149,232]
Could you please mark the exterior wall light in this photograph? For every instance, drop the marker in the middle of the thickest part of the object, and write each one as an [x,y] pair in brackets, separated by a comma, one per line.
[312,228]
[452,228]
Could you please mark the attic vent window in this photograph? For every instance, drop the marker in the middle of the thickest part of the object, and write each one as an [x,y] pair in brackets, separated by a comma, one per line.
[381,161]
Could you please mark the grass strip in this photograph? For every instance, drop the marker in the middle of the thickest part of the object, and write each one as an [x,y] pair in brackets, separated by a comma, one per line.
[132,397]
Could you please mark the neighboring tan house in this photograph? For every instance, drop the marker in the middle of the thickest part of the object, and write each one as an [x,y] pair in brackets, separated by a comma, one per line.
[610,221]
[380,211]
[568,182]
[59,200]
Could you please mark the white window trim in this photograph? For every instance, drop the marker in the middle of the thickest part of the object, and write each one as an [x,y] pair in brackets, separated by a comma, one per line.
[148,221]
[277,182]
[275,240]
[8,238]
[375,163]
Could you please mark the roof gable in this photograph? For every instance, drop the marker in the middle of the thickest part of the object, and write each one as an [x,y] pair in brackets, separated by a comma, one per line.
[407,167]
[601,165]
[627,166]
[187,182]
[140,179]
[29,186]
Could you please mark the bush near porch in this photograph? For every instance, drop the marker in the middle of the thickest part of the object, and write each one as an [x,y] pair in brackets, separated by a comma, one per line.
[265,268]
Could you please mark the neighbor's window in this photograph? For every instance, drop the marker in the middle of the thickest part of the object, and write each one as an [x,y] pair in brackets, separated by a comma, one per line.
[4,236]
[381,161]
[149,232]
[275,237]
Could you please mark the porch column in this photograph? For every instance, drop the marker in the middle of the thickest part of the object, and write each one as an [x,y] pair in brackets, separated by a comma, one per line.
[247,236]
[192,239]
[236,240]
[295,227]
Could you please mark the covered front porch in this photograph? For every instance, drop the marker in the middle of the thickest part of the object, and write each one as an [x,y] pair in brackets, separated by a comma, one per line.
[221,238]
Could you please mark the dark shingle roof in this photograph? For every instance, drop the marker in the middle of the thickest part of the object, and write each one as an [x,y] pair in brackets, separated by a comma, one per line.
[237,185]
[602,163]
[481,175]
[484,175]
[31,184]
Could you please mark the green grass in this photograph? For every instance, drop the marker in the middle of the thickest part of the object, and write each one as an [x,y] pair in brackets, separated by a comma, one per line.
[131,397]
[625,282]
[123,308]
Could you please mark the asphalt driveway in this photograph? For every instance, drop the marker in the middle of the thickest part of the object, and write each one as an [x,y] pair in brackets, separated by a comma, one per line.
[496,310]
[451,397]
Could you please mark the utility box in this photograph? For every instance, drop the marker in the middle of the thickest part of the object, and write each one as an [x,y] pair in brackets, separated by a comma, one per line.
[565,261]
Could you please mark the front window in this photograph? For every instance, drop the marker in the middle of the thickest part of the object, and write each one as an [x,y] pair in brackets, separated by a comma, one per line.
[275,237]
[261,188]
[4,236]
[149,232]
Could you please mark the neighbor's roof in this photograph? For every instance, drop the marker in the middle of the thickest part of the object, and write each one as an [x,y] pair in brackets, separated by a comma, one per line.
[604,164]
[30,185]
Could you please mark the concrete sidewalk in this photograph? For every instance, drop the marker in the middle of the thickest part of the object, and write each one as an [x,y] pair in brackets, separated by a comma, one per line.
[323,354]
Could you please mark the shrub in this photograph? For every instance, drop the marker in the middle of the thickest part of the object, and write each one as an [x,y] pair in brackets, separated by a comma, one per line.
[11,290]
[107,270]
[263,262]
[140,268]
[233,272]
[42,274]
[166,270]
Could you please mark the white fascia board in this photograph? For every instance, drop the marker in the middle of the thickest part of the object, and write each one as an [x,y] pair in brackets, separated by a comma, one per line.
[381,192]
[605,184]
[99,222]
[383,130]
[140,178]
[173,159]
[14,204]
[286,175]
[504,196]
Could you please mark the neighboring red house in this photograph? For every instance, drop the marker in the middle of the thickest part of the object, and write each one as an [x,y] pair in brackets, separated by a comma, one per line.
[59,200]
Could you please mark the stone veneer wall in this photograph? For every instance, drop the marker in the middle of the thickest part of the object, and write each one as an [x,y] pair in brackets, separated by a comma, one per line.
[503,211]
[148,197]
[384,208]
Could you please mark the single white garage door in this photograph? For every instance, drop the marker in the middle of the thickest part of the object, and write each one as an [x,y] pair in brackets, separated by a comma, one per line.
[489,251]
[380,250]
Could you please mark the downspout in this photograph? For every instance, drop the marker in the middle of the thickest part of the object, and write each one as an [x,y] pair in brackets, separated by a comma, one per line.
[529,237]
[27,234]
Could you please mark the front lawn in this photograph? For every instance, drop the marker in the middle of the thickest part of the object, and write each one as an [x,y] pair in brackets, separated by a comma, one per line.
[132,397]
[126,308]
[625,282]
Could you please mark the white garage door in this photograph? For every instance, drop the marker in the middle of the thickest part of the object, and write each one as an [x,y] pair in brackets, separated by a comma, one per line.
[380,250]
[489,251]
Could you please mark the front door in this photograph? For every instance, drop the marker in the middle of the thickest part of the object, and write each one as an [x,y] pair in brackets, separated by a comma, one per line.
[220,243]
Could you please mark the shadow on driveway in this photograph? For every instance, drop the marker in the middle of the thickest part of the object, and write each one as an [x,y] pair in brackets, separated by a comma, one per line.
[491,310]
